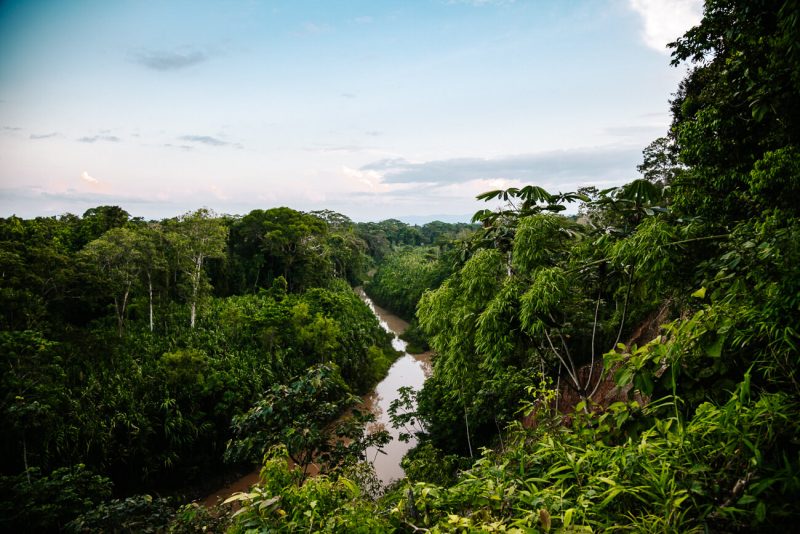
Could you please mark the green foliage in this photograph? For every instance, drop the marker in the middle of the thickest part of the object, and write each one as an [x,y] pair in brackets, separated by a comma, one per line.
[737,105]
[36,270]
[403,276]
[153,408]
[194,517]
[299,417]
[322,504]
[140,513]
[538,242]
[415,338]
[715,473]
[97,221]
[33,502]
[660,162]
[707,440]
[386,236]
[196,237]
[775,180]
[34,399]
[306,249]
[711,238]
[116,259]
[426,463]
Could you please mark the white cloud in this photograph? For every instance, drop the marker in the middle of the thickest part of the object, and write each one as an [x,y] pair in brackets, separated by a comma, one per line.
[86,177]
[368,178]
[666,20]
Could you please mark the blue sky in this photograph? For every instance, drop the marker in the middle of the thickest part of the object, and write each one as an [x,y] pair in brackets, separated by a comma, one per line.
[375,109]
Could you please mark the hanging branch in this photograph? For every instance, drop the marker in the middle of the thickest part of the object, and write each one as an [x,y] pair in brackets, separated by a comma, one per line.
[570,368]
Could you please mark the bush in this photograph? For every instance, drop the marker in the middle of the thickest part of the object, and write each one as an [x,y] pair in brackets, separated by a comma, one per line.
[32,502]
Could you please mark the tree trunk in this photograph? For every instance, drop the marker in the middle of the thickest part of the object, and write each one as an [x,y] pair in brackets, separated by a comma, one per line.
[25,458]
[119,316]
[150,291]
[124,307]
[196,287]
[466,423]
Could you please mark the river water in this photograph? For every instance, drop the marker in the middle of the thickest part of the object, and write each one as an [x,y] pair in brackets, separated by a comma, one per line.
[408,370]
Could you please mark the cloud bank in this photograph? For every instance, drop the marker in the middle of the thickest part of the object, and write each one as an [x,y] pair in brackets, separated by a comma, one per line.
[560,166]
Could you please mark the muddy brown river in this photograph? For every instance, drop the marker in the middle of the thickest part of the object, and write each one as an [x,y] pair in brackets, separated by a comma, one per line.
[408,370]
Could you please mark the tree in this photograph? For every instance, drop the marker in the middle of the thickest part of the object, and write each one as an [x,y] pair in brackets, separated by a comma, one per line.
[737,106]
[150,243]
[660,162]
[403,276]
[281,242]
[196,237]
[97,221]
[299,416]
[33,402]
[116,258]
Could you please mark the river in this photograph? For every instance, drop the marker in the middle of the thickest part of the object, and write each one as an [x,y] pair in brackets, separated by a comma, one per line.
[408,370]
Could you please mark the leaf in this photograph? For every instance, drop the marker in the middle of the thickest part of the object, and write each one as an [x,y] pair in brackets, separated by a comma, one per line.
[714,350]
[480,215]
[700,293]
[623,376]
[237,497]
[568,517]
[488,195]
[269,502]
[644,383]
[351,486]
[761,512]
[545,520]
[611,494]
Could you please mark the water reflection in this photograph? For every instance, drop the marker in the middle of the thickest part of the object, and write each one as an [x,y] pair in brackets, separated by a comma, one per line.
[409,370]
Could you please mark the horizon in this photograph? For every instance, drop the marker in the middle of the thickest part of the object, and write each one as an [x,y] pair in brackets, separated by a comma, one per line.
[396,110]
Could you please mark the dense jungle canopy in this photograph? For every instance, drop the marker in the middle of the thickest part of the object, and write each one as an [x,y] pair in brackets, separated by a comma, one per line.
[631,367]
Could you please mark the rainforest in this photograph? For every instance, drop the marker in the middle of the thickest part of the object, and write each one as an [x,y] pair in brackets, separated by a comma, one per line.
[607,359]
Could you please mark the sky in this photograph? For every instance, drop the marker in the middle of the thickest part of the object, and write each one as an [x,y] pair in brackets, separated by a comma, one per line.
[375,109]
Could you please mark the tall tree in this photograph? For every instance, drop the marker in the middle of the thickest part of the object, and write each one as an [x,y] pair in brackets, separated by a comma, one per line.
[150,245]
[281,242]
[198,236]
[97,221]
[116,258]
[660,162]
